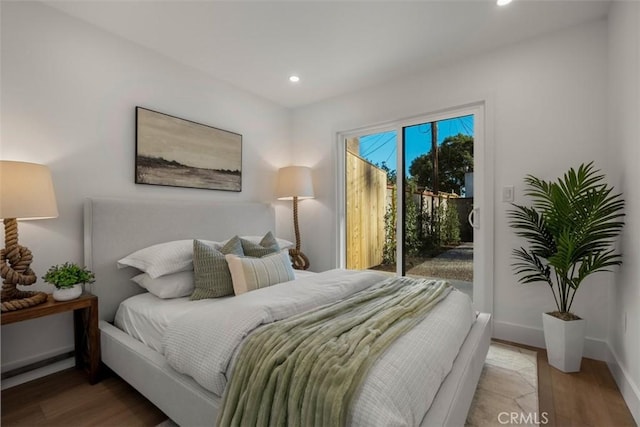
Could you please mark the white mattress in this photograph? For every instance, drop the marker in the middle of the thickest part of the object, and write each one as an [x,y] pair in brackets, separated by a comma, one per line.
[145,317]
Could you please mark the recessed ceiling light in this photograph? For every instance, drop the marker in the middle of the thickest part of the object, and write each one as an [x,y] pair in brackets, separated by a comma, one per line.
[294,79]
[503,2]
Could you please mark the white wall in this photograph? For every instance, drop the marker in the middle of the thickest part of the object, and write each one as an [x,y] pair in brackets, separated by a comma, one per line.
[624,132]
[547,100]
[69,92]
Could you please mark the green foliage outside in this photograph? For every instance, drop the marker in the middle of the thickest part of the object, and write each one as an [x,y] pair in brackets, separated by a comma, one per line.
[449,224]
[389,248]
[391,173]
[455,158]
[425,234]
[68,274]
[413,240]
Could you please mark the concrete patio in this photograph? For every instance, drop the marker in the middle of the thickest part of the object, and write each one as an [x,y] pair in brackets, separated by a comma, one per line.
[456,265]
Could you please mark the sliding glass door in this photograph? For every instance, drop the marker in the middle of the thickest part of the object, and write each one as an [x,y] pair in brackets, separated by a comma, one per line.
[411,196]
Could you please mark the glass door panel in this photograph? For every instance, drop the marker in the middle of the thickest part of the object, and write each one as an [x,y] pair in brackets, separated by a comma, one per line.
[437,198]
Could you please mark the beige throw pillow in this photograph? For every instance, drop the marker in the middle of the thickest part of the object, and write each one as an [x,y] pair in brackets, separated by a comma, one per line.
[249,274]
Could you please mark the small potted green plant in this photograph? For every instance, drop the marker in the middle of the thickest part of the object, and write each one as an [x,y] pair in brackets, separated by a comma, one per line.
[68,279]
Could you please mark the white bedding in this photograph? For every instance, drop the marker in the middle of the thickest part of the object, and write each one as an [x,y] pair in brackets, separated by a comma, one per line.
[146,317]
[400,386]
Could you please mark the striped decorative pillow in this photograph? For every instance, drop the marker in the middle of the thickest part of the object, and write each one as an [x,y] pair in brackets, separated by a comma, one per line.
[249,274]
[211,273]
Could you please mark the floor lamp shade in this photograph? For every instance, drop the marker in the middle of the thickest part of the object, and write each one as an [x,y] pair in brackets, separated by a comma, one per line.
[26,191]
[294,181]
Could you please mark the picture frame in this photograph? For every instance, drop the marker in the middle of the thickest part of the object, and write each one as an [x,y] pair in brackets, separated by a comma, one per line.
[176,152]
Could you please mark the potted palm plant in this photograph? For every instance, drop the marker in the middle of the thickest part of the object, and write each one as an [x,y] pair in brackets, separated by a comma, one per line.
[68,279]
[570,229]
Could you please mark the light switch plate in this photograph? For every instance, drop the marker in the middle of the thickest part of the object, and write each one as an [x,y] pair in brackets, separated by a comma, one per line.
[508,193]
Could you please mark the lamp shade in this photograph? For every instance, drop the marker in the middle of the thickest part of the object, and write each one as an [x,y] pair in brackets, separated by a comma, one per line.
[294,181]
[26,191]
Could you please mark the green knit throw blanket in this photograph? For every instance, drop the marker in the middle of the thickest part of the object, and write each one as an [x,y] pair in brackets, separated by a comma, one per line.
[305,370]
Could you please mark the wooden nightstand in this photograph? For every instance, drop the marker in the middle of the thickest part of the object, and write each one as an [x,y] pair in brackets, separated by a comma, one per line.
[85,322]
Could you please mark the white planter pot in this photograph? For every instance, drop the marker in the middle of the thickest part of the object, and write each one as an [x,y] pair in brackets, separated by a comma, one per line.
[565,341]
[67,293]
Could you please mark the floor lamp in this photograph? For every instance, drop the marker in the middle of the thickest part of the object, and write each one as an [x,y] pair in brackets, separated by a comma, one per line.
[294,183]
[26,192]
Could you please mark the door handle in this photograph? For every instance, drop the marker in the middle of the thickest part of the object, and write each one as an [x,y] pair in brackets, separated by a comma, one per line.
[474,218]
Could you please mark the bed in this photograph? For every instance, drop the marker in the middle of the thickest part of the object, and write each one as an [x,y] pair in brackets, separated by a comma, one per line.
[117,227]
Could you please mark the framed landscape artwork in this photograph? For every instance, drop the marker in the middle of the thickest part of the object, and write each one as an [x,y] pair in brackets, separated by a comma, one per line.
[181,153]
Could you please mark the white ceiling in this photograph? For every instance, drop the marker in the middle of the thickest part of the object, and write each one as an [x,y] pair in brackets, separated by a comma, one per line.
[334,46]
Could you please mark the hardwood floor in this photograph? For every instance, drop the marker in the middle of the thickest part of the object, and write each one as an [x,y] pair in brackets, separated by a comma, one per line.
[66,399]
[588,398]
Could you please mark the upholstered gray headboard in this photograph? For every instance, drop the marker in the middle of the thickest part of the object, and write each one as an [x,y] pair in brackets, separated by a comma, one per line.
[114,228]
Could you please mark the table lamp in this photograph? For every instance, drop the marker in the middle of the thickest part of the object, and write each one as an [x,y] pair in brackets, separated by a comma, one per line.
[26,192]
[294,182]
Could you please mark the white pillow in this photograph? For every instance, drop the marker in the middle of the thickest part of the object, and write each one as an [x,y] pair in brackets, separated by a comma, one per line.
[163,258]
[249,274]
[174,285]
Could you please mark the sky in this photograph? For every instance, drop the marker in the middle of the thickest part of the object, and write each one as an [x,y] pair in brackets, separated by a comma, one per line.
[382,147]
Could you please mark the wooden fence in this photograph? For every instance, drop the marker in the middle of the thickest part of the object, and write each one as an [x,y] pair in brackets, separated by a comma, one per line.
[366,203]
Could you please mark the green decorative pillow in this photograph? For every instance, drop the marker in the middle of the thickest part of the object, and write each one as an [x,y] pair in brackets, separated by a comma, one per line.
[211,272]
[250,274]
[268,245]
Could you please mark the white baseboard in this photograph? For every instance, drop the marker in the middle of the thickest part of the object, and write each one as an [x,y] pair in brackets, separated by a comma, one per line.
[629,390]
[593,348]
[38,373]
[10,366]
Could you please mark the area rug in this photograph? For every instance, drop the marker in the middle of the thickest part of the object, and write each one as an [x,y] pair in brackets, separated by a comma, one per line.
[507,392]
